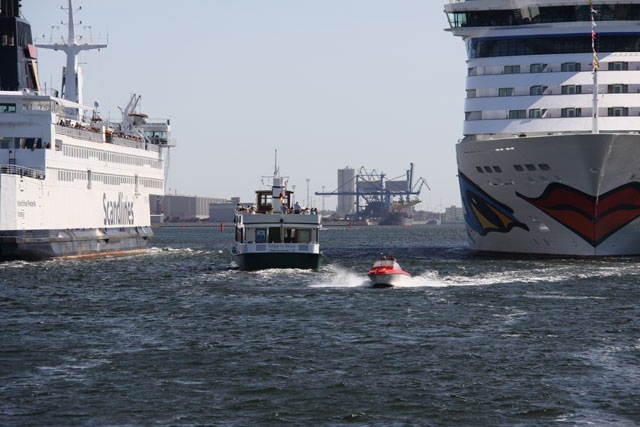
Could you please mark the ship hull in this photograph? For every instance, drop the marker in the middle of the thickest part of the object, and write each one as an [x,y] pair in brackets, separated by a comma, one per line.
[397,219]
[387,280]
[37,245]
[567,195]
[42,219]
[262,261]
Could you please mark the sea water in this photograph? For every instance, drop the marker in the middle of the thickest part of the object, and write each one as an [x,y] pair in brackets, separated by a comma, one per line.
[180,337]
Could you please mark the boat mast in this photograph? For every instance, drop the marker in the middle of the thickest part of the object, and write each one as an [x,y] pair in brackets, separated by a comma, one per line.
[72,46]
[596,66]
[276,171]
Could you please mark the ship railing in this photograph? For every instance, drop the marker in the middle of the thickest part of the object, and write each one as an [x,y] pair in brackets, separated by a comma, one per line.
[91,135]
[12,169]
[133,143]
[94,134]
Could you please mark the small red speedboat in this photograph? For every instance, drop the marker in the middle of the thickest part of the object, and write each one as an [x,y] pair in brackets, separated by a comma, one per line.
[386,273]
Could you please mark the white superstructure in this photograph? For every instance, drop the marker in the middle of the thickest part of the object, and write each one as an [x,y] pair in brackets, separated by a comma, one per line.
[552,115]
[70,183]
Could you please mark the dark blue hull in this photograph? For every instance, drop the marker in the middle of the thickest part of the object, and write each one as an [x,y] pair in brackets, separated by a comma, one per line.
[35,245]
[262,261]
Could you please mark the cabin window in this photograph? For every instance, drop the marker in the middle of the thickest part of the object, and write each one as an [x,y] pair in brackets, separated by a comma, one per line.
[30,143]
[537,90]
[289,235]
[618,88]
[571,89]
[618,66]
[618,111]
[511,69]
[570,66]
[506,91]
[274,235]
[303,236]
[473,115]
[517,114]
[537,68]
[535,113]
[261,235]
[571,112]
[7,108]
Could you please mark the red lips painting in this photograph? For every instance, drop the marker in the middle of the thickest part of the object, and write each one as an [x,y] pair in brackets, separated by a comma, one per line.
[592,218]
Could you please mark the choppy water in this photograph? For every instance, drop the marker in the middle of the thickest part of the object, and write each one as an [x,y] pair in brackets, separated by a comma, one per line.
[177,337]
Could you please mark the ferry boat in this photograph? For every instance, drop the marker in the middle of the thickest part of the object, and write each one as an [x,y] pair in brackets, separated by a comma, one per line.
[548,161]
[71,184]
[386,273]
[276,232]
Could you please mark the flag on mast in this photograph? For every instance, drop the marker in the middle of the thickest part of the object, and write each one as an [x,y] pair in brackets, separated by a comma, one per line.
[594,36]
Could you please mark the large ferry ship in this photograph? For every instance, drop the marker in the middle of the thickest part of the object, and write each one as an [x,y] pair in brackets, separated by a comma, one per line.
[71,184]
[548,163]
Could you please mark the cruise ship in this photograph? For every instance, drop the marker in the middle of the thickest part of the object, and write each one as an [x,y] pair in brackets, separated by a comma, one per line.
[548,161]
[71,184]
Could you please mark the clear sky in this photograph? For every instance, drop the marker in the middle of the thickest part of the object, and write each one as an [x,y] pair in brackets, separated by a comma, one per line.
[376,84]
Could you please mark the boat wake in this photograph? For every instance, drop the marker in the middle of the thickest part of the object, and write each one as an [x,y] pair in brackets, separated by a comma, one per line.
[342,277]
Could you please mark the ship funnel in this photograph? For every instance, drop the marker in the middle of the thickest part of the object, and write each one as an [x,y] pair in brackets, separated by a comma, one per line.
[10,8]
[18,59]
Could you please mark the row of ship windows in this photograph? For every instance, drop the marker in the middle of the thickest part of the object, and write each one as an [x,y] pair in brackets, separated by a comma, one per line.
[72,176]
[12,107]
[104,156]
[545,90]
[21,143]
[518,168]
[540,113]
[496,47]
[547,68]
[549,14]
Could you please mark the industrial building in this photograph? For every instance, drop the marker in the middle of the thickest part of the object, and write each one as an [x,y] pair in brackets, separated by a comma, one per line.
[346,192]
[175,208]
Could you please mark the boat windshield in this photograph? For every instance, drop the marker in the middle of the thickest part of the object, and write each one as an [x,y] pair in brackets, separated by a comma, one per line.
[385,263]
